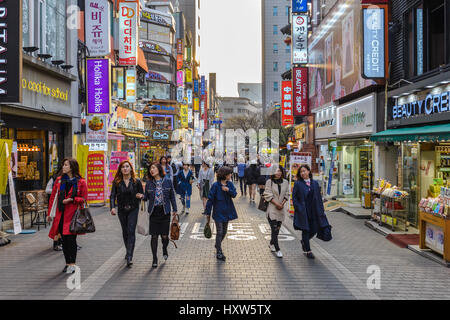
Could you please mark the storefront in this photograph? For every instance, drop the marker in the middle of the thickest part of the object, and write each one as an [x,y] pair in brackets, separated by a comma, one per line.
[356,122]
[325,141]
[419,125]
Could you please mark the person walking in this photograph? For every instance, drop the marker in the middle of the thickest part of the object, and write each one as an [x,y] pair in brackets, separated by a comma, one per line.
[160,195]
[185,178]
[163,161]
[309,215]
[57,245]
[220,201]
[243,186]
[205,182]
[276,192]
[252,179]
[71,189]
[126,191]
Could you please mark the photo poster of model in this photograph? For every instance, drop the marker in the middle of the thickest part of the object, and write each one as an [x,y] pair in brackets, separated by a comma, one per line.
[329,61]
[348,45]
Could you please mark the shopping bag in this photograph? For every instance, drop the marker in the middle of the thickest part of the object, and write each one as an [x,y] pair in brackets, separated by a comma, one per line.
[143,224]
[54,206]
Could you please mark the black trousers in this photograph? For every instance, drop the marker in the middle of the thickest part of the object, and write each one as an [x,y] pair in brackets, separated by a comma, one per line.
[275,227]
[69,245]
[306,237]
[222,228]
[242,183]
[128,221]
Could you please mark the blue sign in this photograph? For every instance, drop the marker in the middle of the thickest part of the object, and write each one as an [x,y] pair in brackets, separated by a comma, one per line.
[432,104]
[330,174]
[217,121]
[419,24]
[203,86]
[374,49]
[299,6]
[196,86]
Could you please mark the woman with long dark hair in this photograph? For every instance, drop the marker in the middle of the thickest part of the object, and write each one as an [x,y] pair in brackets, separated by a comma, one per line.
[309,213]
[160,195]
[127,191]
[220,201]
[71,189]
[163,161]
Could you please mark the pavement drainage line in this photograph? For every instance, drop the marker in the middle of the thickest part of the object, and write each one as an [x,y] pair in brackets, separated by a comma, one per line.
[346,277]
[97,280]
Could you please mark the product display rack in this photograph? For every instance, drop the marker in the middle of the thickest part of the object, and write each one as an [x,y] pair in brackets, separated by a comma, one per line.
[389,212]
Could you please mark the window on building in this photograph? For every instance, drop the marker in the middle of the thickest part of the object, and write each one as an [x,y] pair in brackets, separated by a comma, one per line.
[275,48]
[199,4]
[275,11]
[199,22]
[436,34]
[287,66]
[275,66]
[287,11]
[275,86]
[288,48]
[25,23]
[275,29]
[199,40]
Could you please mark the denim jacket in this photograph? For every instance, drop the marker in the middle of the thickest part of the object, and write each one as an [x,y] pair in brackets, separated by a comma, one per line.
[168,196]
[221,202]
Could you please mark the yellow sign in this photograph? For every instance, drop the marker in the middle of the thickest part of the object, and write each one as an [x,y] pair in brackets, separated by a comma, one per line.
[41,88]
[300,132]
[188,76]
[196,104]
[82,155]
[4,167]
[184,115]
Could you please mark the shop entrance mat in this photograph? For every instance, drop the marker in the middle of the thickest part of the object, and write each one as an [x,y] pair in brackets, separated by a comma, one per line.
[404,240]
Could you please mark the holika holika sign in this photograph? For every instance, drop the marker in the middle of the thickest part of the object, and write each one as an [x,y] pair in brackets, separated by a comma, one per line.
[432,104]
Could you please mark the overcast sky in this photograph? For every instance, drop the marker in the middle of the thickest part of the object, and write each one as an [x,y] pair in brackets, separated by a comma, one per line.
[231,42]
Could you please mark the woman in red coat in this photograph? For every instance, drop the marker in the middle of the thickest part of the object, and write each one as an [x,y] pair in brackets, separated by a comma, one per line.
[72,192]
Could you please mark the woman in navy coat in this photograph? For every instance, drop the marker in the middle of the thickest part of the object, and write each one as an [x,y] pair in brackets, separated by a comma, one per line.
[309,213]
[185,178]
[220,199]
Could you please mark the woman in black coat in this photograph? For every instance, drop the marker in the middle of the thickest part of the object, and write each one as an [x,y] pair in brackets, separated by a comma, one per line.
[127,191]
[309,213]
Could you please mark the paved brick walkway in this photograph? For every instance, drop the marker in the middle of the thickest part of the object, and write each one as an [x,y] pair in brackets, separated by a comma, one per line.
[30,269]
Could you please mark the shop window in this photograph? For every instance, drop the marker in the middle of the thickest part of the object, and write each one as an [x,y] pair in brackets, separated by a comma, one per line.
[275,11]
[436,33]
[25,23]
[275,48]
[275,86]
[275,66]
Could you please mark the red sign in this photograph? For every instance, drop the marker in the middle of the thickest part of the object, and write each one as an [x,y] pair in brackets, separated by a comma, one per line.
[145,144]
[300,89]
[96,177]
[286,103]
[179,61]
[180,46]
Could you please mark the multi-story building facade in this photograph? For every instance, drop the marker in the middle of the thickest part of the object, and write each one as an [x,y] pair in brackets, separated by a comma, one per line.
[231,107]
[276,55]
[252,91]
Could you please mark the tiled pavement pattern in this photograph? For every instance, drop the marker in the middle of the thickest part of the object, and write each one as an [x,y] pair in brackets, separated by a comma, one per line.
[30,269]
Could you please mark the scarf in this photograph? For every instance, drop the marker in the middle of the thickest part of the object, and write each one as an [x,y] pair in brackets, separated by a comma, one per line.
[277,181]
[66,185]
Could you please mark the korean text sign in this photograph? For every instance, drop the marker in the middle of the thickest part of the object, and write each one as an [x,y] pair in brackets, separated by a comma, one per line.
[300,89]
[299,6]
[96,177]
[128,20]
[300,39]
[97,27]
[286,103]
[98,86]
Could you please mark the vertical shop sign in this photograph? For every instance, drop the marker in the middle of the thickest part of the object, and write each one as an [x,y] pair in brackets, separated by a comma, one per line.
[10,51]
[300,89]
[180,94]
[299,6]
[374,49]
[128,15]
[188,75]
[96,129]
[179,54]
[203,86]
[98,86]
[179,61]
[96,177]
[131,85]
[189,95]
[300,39]
[419,24]
[180,78]
[97,27]
[196,104]
[184,116]
[196,86]
[190,115]
[286,103]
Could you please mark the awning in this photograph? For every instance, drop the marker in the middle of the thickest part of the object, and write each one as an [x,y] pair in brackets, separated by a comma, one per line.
[135,135]
[142,62]
[414,134]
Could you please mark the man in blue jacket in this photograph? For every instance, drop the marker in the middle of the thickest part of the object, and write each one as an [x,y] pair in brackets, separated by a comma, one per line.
[241,173]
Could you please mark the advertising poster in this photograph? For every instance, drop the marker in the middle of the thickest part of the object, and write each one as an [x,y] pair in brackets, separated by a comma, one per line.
[159,122]
[297,159]
[97,27]
[180,78]
[347,45]
[98,86]
[300,89]
[286,103]
[116,158]
[329,61]
[96,129]
[96,177]
[434,237]
[131,85]
[184,115]
[128,24]
[132,158]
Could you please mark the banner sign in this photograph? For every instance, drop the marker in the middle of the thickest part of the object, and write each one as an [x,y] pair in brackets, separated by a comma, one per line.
[128,22]
[148,46]
[180,46]
[10,51]
[184,116]
[155,76]
[98,86]
[300,88]
[131,85]
[180,78]
[300,39]
[189,95]
[286,103]
[203,86]
[374,40]
[97,27]
[299,6]
[96,129]
[196,104]
[180,94]
[156,18]
[179,61]
[96,177]
[190,115]
[188,75]
[196,86]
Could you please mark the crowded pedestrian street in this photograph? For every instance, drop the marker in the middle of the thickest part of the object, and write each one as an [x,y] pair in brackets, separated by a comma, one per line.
[32,270]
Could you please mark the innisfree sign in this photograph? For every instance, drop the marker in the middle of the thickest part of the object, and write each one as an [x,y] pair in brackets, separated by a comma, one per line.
[354,118]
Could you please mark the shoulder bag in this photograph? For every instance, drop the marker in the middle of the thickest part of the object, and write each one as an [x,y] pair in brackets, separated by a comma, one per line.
[263,204]
[175,228]
[143,223]
[207,230]
[82,221]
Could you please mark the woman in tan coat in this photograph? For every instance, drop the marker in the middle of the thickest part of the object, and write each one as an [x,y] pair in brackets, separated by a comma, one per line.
[276,193]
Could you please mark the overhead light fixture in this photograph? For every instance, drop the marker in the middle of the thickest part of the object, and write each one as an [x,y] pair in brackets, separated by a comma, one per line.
[429,87]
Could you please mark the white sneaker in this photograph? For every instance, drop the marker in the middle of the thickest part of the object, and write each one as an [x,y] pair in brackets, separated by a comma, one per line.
[70,269]
[272,248]
[279,254]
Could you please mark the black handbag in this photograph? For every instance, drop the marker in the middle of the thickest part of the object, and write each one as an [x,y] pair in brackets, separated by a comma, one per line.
[82,221]
[263,204]
[324,234]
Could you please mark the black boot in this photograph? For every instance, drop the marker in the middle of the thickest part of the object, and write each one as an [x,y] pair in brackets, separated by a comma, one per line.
[129,262]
